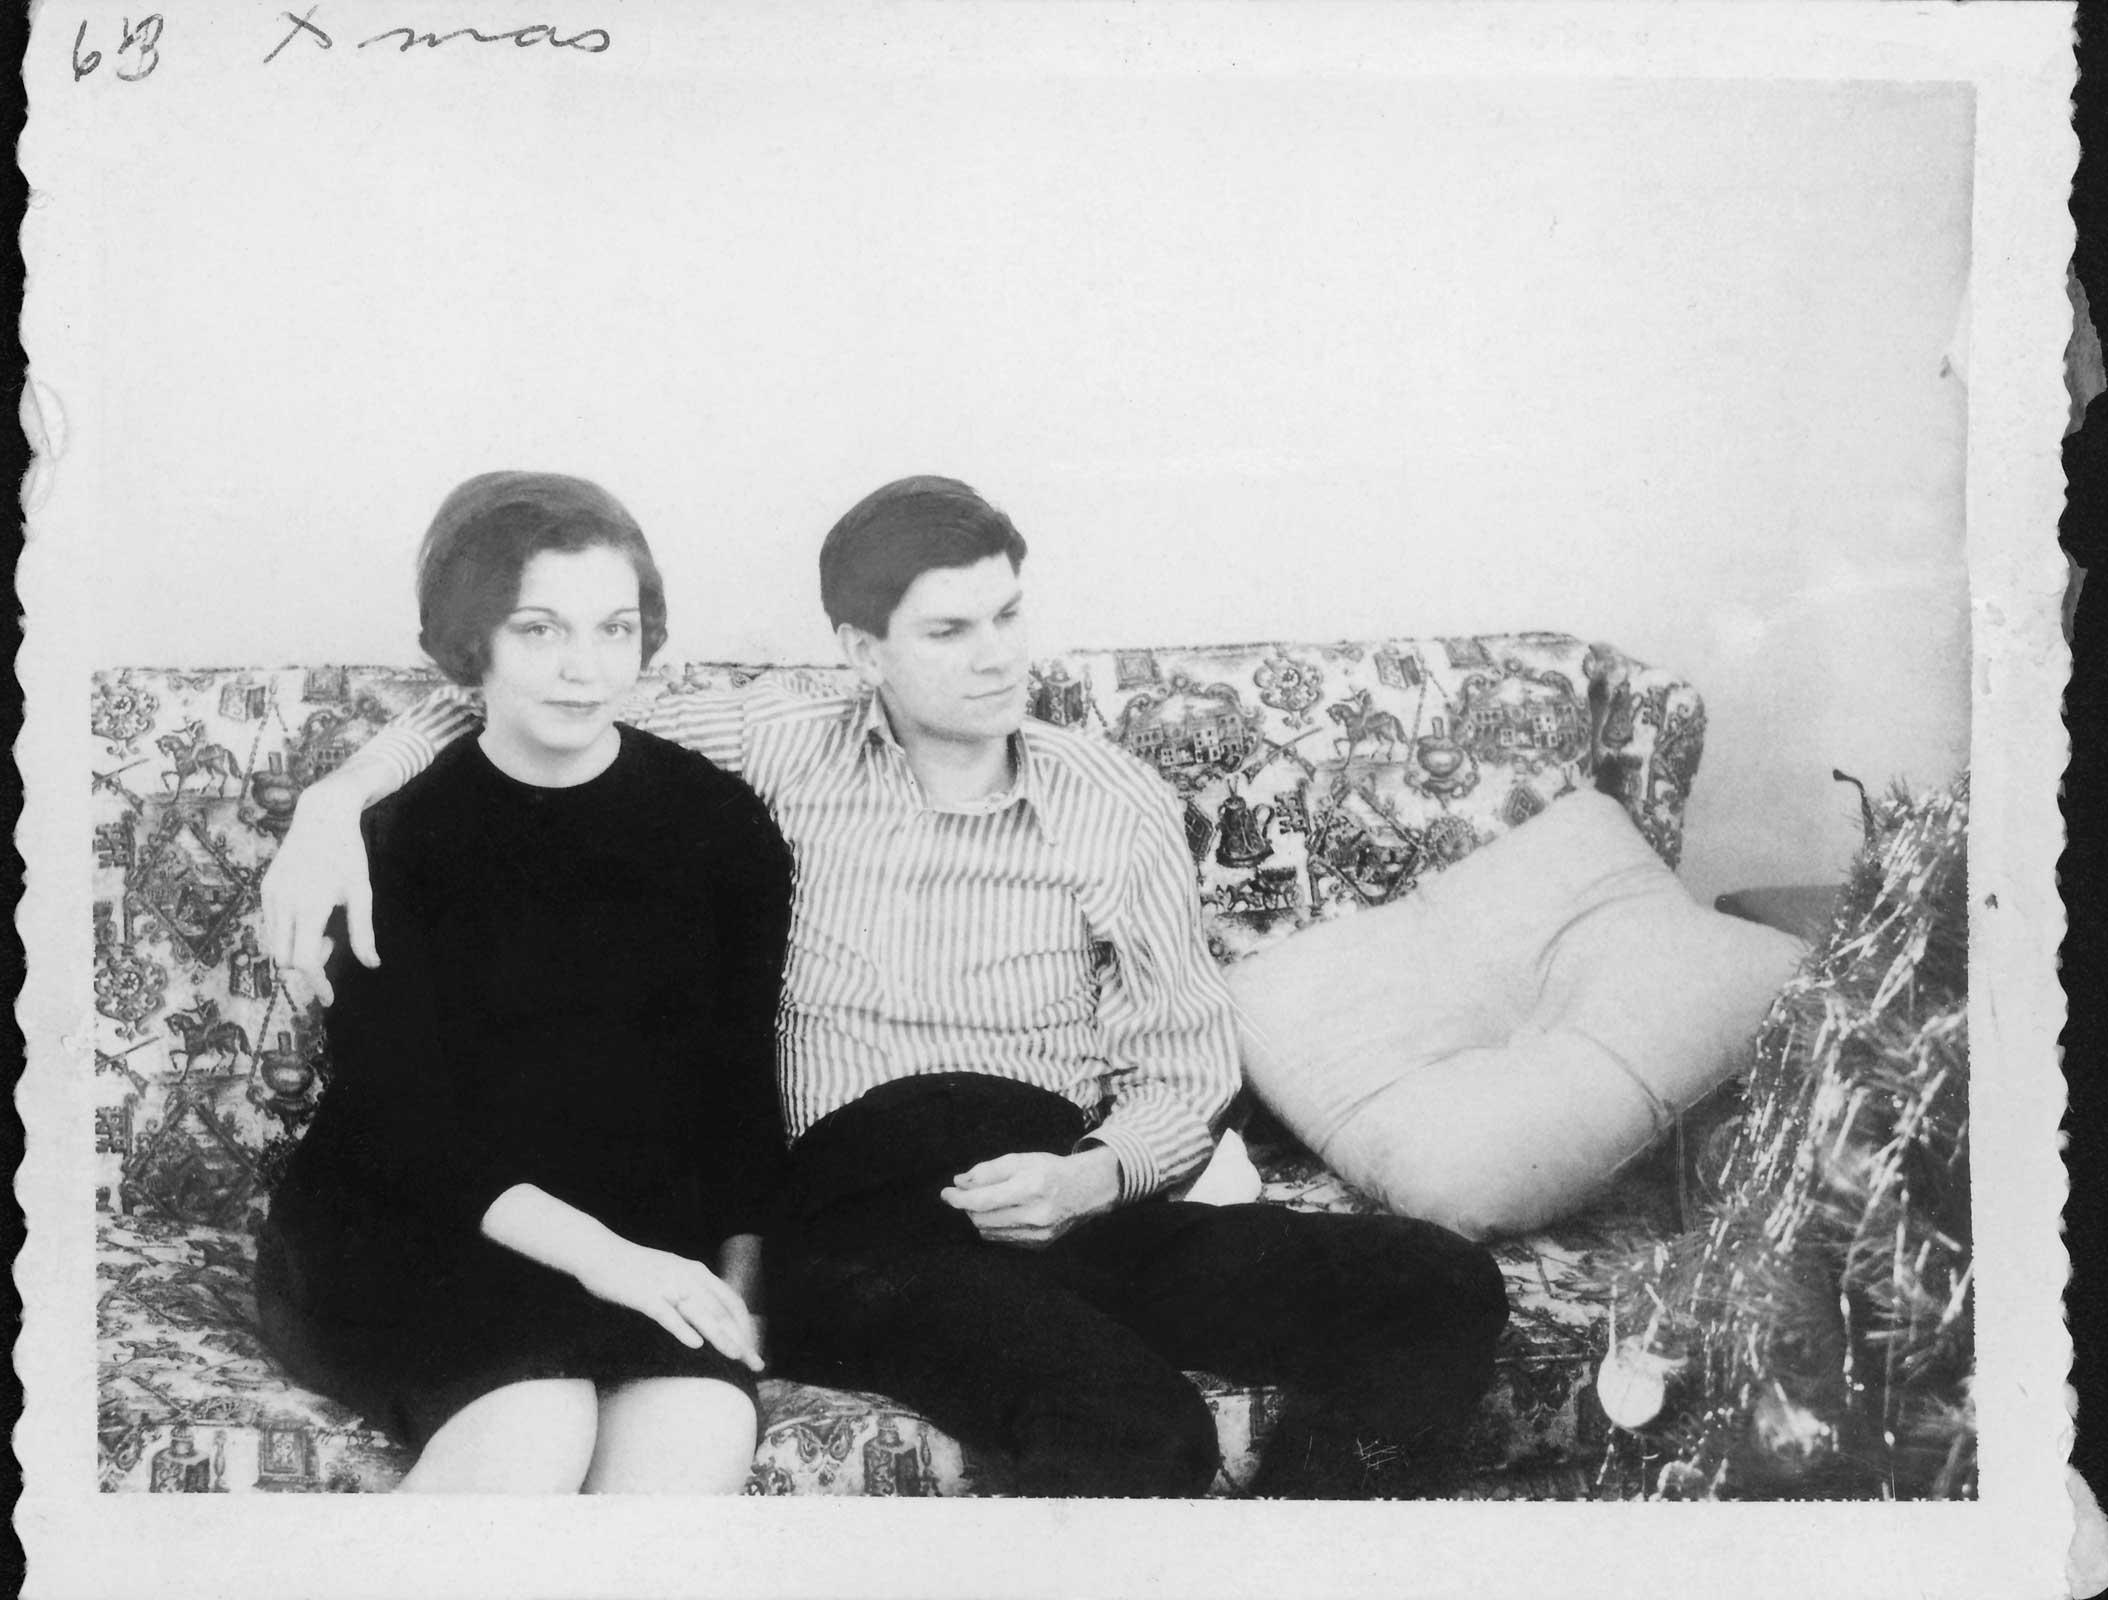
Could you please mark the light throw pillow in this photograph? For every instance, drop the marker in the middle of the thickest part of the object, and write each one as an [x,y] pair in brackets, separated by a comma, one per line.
[1489,1051]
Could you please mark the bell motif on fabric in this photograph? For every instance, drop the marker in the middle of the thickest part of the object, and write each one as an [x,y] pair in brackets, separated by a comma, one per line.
[1242,840]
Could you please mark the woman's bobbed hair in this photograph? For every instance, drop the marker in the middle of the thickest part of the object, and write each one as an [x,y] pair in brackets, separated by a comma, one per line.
[487,530]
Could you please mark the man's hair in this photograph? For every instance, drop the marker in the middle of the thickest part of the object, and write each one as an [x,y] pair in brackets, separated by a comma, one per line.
[468,569]
[895,534]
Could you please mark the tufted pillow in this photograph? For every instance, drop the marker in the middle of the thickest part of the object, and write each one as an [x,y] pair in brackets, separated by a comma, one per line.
[1489,1051]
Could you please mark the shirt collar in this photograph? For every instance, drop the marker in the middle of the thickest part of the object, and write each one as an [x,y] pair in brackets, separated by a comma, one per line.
[871,733]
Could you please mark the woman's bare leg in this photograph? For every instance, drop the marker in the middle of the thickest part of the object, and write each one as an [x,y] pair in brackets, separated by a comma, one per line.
[673,1436]
[526,1438]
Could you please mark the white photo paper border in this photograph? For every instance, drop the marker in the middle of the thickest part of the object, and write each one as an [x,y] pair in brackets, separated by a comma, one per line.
[2010,1542]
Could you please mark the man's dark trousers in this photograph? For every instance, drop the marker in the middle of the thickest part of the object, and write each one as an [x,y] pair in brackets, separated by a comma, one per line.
[1070,1357]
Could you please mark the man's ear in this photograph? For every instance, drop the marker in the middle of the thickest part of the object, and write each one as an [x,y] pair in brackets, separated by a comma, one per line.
[860,650]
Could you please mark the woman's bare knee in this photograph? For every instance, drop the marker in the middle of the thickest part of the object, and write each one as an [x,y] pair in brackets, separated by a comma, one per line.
[535,1437]
[673,1436]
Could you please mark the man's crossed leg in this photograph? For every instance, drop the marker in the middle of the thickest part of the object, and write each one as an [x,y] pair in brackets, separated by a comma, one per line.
[1071,1358]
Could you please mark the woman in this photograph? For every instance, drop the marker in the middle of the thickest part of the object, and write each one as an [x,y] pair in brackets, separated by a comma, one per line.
[555,1102]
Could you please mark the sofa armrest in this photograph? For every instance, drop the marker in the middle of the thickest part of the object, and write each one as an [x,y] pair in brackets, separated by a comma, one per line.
[1646,735]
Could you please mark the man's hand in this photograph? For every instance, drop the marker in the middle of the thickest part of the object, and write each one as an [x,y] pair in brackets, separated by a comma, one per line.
[321,865]
[1031,1198]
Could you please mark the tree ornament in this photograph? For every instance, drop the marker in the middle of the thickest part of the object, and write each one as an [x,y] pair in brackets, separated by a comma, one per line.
[1788,1436]
[1680,1480]
[1633,1382]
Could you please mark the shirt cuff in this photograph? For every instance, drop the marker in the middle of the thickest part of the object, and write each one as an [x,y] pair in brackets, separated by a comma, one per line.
[413,740]
[1144,1169]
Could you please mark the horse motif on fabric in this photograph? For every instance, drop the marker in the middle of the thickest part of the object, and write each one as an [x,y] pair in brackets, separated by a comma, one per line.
[191,754]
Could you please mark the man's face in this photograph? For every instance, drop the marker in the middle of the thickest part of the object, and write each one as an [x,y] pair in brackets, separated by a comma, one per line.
[951,667]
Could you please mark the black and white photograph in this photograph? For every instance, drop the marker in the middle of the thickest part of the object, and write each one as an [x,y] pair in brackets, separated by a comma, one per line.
[1205,780]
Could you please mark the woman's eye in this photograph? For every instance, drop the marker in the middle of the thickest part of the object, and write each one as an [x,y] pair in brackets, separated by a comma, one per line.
[621,630]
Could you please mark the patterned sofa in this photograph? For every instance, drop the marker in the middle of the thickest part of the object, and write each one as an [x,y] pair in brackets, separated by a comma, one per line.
[1315,780]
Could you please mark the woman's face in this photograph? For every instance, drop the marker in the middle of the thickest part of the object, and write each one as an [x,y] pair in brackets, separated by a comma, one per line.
[561,664]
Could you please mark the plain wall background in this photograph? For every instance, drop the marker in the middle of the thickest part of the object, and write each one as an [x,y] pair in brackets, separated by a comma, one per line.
[1286,356]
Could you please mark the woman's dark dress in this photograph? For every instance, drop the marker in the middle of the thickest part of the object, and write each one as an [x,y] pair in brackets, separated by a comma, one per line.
[578,990]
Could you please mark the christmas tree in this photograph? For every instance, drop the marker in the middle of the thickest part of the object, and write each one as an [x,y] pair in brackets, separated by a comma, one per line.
[1813,1335]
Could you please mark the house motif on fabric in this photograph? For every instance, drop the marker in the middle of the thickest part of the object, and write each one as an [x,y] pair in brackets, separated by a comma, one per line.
[1188,731]
[329,736]
[1521,717]
[113,1129]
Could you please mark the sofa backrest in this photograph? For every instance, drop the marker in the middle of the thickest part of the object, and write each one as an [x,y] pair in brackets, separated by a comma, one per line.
[1314,781]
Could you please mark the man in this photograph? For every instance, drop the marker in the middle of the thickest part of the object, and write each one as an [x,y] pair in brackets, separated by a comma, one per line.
[1002,1048]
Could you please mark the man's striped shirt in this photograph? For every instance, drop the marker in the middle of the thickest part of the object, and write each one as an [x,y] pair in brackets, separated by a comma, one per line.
[1050,935]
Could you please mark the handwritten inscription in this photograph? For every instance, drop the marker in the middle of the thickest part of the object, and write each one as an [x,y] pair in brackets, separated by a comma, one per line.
[588,41]
[135,50]
[138,50]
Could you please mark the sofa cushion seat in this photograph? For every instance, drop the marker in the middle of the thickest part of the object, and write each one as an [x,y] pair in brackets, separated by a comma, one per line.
[189,1401]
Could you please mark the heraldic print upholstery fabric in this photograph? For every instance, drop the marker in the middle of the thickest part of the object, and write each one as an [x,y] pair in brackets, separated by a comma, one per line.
[1315,781]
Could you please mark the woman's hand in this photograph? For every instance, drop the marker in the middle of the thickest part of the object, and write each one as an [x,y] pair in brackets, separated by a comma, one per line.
[682,1296]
